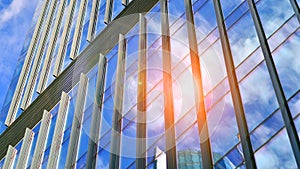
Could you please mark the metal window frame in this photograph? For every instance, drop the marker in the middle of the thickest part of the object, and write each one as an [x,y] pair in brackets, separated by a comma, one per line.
[281,99]
[97,114]
[296,9]
[40,146]
[38,58]
[234,89]
[14,105]
[115,148]
[51,47]
[77,122]
[167,87]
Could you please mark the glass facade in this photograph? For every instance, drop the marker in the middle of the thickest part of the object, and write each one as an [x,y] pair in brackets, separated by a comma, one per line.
[267,132]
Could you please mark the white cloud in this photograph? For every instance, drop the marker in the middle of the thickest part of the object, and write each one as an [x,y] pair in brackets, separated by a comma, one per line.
[11,11]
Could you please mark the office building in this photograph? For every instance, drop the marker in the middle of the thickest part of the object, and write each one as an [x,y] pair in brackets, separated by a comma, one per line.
[101,84]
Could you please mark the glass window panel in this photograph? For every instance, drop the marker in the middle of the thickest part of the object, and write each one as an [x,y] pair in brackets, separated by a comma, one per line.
[272,16]
[266,130]
[297,124]
[287,63]
[63,153]
[117,8]
[100,21]
[2,162]
[205,20]
[18,147]
[85,135]
[221,121]
[31,151]
[233,159]
[189,155]
[294,104]
[212,66]
[284,32]
[176,9]
[277,153]
[179,45]
[154,71]
[183,94]
[242,38]
[229,6]
[258,96]
[103,158]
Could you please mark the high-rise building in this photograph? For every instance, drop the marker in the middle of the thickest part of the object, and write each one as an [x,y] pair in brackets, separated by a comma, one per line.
[101,84]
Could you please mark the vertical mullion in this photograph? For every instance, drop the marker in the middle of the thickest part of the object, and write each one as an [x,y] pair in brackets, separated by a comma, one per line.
[93,20]
[10,157]
[296,9]
[114,161]
[234,89]
[198,89]
[58,131]
[38,58]
[25,149]
[285,110]
[64,39]
[13,109]
[41,141]
[141,96]
[51,47]
[108,11]
[78,29]
[97,114]
[167,87]
[77,122]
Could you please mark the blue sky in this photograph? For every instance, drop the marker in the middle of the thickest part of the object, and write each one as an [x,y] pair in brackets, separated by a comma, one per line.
[15,20]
